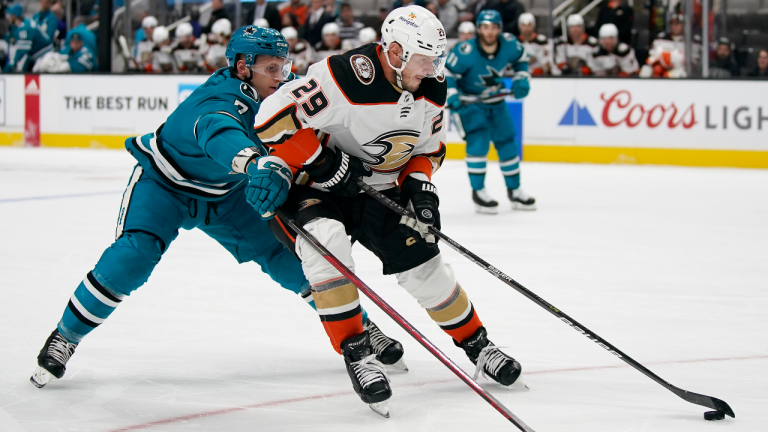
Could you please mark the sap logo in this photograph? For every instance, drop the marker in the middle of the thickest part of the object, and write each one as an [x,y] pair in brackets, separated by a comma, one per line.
[185,90]
[577,115]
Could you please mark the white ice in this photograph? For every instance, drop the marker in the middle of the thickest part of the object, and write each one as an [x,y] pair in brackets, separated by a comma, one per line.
[669,264]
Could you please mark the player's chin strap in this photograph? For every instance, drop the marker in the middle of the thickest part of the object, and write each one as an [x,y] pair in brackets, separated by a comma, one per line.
[398,71]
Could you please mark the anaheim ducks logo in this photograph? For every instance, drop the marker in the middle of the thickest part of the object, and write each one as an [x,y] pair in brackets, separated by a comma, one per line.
[390,151]
[363,68]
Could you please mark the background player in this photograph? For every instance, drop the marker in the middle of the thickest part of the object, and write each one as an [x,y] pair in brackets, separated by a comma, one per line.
[383,106]
[476,70]
[613,58]
[199,170]
[26,41]
[573,51]
[537,46]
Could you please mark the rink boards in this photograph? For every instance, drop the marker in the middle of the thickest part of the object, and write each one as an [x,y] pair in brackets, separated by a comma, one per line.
[692,122]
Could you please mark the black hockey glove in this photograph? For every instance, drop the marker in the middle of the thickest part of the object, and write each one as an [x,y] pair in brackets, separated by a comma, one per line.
[338,172]
[421,198]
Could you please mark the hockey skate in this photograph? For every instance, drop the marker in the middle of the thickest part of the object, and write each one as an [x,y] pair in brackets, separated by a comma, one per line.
[484,203]
[388,351]
[52,360]
[520,200]
[367,374]
[491,361]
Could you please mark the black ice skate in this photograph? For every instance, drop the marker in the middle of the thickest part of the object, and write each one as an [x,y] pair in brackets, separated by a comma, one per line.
[520,200]
[367,374]
[490,360]
[484,203]
[388,351]
[52,360]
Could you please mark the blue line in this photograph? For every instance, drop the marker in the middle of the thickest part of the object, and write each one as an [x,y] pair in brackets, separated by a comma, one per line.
[9,200]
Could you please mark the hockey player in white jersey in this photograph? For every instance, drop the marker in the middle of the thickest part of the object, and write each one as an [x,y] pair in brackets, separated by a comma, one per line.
[613,58]
[538,47]
[573,52]
[376,113]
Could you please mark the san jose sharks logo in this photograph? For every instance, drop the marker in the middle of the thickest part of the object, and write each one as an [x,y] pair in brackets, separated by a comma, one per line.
[494,77]
[390,151]
[250,30]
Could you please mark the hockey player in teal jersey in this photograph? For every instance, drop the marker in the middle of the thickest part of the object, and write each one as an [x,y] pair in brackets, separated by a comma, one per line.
[26,42]
[46,21]
[203,168]
[81,57]
[475,71]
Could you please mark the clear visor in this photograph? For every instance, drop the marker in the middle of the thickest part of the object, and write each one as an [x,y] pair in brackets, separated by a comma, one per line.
[277,68]
[429,66]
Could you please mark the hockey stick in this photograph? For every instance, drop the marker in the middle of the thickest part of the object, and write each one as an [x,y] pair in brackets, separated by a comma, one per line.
[403,322]
[472,99]
[694,398]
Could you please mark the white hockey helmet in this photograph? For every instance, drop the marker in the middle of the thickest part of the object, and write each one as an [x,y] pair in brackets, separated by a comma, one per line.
[367,35]
[222,27]
[261,22]
[149,22]
[609,30]
[575,20]
[417,31]
[330,28]
[526,18]
[289,33]
[160,34]
[184,29]
[467,27]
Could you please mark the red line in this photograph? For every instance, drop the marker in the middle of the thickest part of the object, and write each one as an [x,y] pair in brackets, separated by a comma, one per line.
[344,393]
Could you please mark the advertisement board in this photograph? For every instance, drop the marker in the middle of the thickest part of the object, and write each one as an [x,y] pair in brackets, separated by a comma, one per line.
[12,107]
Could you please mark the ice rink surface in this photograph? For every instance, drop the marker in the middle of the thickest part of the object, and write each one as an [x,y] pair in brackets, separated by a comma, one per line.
[669,264]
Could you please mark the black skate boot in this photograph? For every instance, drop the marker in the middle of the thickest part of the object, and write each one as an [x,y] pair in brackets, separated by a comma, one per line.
[388,351]
[490,359]
[367,374]
[52,360]
[520,200]
[484,203]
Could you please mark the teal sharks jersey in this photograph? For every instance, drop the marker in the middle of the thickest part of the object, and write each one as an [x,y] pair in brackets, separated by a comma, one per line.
[471,71]
[195,150]
[26,43]
[47,23]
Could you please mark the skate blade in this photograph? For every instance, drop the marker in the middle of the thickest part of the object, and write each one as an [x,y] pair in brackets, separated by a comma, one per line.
[380,408]
[521,206]
[486,210]
[40,377]
[399,366]
[518,385]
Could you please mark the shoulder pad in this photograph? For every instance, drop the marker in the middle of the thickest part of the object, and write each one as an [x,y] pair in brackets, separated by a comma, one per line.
[591,40]
[662,35]
[299,47]
[623,49]
[540,38]
[358,74]
[465,47]
[561,40]
[508,36]
[435,90]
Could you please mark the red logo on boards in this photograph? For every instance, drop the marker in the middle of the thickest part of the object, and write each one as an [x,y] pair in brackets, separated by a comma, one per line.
[619,109]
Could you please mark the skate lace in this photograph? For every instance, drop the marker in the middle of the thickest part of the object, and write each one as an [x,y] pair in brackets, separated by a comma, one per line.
[61,350]
[379,341]
[369,370]
[490,361]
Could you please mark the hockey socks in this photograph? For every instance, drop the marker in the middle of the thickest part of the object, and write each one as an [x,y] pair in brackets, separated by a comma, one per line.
[88,307]
[456,316]
[510,169]
[338,304]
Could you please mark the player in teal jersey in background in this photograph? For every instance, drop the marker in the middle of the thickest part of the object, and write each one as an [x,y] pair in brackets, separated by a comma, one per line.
[26,41]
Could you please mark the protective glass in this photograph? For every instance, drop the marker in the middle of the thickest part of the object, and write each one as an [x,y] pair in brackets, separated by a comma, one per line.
[435,64]
[277,68]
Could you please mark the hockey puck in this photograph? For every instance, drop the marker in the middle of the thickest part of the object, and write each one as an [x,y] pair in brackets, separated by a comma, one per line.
[714,415]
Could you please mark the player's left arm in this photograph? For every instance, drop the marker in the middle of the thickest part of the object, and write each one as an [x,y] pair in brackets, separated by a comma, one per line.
[521,83]
[19,50]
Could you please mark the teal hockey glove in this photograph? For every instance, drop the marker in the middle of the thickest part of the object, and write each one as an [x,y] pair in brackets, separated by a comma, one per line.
[521,85]
[453,102]
[269,180]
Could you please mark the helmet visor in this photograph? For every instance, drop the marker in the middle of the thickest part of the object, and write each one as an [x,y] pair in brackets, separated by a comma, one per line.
[432,66]
[277,68]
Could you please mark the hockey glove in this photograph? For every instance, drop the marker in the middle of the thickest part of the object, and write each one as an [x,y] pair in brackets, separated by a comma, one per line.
[338,172]
[453,102]
[422,200]
[521,86]
[269,180]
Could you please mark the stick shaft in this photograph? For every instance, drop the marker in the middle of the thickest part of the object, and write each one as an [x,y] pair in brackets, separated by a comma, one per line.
[399,319]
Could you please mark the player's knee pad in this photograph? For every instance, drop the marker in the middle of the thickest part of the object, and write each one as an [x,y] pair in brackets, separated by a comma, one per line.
[331,234]
[127,264]
[431,283]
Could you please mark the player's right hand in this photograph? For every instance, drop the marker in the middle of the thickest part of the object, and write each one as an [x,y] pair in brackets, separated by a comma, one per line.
[269,180]
[338,172]
[453,102]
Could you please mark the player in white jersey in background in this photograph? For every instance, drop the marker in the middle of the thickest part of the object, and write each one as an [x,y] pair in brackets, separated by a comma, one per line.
[376,112]
[613,58]
[538,47]
[573,51]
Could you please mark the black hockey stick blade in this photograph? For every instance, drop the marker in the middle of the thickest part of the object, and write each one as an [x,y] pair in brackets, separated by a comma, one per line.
[399,319]
[695,398]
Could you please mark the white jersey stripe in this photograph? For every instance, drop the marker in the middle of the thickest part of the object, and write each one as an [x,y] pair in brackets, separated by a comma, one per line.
[135,176]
